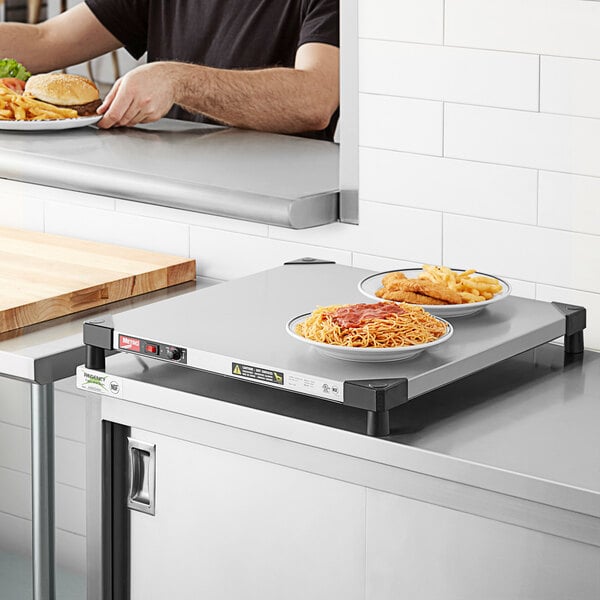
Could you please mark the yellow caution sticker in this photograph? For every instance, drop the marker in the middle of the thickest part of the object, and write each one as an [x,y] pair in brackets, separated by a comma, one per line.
[257,373]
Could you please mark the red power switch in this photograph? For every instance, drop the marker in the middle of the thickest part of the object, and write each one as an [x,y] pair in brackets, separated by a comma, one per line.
[151,349]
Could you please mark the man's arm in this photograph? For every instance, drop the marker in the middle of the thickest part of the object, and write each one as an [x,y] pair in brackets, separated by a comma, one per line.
[281,100]
[68,39]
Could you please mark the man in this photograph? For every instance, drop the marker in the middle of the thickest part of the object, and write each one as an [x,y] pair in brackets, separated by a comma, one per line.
[271,65]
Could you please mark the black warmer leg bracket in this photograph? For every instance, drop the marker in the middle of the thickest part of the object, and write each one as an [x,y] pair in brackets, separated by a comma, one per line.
[97,337]
[377,397]
[575,322]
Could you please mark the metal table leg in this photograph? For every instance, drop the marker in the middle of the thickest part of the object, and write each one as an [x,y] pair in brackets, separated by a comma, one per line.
[42,485]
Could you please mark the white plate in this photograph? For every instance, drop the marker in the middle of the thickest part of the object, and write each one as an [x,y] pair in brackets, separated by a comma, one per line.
[366,354]
[49,125]
[369,285]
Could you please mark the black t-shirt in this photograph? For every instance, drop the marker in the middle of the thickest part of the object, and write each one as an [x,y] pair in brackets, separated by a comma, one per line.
[225,34]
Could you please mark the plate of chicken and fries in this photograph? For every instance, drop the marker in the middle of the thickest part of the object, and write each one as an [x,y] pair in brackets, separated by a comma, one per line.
[440,290]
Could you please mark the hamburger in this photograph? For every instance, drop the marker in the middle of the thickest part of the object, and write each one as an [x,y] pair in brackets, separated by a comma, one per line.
[65,91]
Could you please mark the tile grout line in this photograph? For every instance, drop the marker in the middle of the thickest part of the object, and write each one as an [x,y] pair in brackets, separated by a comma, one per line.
[444,23]
[540,83]
[531,111]
[443,228]
[537,199]
[443,130]
[479,48]
[480,162]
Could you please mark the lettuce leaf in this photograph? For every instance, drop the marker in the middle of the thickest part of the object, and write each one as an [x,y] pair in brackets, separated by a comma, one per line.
[11,68]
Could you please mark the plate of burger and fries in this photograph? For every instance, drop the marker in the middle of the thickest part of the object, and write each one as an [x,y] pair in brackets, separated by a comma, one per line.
[440,290]
[45,102]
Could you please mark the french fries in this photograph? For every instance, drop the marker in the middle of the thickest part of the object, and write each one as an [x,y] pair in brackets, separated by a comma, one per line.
[471,288]
[14,107]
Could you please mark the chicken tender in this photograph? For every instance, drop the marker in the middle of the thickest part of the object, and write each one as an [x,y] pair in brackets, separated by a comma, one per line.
[406,296]
[391,279]
[434,290]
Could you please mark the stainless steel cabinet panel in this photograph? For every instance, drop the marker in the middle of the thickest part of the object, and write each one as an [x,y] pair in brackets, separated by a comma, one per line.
[422,551]
[229,527]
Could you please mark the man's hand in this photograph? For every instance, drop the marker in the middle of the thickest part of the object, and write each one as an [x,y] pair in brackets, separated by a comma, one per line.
[144,95]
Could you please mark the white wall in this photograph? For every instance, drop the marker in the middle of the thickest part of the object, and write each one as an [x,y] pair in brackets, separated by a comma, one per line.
[482,118]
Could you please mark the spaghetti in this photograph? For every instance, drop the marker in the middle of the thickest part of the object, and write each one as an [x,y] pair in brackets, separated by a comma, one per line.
[381,325]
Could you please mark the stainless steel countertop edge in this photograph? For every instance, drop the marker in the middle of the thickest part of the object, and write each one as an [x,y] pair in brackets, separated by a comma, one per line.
[309,211]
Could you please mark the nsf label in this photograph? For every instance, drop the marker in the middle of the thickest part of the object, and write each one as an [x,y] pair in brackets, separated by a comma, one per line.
[257,373]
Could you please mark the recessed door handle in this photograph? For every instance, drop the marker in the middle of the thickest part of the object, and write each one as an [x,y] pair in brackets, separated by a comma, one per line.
[142,476]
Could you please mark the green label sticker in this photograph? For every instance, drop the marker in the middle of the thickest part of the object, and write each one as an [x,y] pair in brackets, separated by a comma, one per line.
[257,373]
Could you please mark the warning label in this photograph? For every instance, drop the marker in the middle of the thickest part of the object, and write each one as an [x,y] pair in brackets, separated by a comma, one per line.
[257,373]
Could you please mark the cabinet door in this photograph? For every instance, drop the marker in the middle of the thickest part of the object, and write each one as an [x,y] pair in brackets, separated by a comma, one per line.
[229,527]
[422,551]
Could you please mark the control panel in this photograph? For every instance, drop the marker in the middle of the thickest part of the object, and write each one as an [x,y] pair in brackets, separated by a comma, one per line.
[151,348]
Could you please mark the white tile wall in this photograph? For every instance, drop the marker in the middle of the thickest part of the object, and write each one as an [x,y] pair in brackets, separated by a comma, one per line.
[117,228]
[385,230]
[184,216]
[528,139]
[517,181]
[446,185]
[401,124]
[570,86]
[569,202]
[503,79]
[378,263]
[554,27]
[15,453]
[549,256]
[16,538]
[15,499]
[18,209]
[407,20]
[69,410]
[227,255]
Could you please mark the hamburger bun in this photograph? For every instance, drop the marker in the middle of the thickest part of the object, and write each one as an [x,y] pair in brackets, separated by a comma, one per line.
[65,91]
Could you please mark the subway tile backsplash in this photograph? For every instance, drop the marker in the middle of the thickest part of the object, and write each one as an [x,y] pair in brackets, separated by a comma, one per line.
[517,180]
[550,27]
[570,86]
[401,124]
[519,138]
[407,20]
[447,185]
[464,75]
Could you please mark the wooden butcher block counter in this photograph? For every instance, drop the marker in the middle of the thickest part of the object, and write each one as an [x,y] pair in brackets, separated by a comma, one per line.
[45,276]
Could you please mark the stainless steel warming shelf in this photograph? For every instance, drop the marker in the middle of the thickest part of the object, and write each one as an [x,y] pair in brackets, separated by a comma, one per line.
[237,330]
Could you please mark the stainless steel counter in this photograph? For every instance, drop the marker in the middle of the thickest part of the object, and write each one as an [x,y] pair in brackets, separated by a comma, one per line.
[492,409]
[517,442]
[275,179]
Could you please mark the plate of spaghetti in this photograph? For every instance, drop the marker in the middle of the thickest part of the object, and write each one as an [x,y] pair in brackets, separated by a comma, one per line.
[381,332]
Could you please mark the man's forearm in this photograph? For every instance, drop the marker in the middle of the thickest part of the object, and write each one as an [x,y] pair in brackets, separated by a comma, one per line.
[278,99]
[22,42]
[67,39]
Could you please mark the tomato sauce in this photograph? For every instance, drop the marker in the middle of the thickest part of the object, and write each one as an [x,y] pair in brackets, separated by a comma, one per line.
[356,315]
